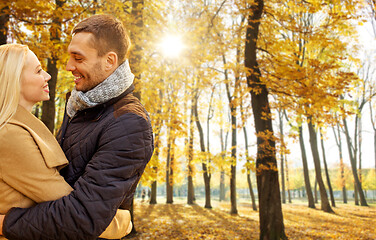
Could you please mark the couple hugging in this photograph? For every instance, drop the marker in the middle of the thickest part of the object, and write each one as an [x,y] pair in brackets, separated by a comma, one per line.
[81,186]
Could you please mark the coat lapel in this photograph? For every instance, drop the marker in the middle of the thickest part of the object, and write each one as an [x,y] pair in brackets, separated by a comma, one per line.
[49,148]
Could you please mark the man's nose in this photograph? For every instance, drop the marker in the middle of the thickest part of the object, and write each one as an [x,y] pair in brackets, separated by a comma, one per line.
[70,66]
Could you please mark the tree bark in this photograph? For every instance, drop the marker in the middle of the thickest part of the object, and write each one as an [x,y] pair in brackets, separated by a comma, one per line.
[222,176]
[153,194]
[360,152]
[311,201]
[48,107]
[363,201]
[249,181]
[325,206]
[233,209]
[136,37]
[190,196]
[205,172]
[169,168]
[316,197]
[287,180]
[283,193]
[342,167]
[374,145]
[4,21]
[327,172]
[270,207]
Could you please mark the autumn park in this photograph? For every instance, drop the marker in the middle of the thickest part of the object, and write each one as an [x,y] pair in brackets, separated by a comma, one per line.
[263,112]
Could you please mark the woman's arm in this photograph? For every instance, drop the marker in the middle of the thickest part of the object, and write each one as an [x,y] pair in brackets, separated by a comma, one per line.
[24,169]
[1,224]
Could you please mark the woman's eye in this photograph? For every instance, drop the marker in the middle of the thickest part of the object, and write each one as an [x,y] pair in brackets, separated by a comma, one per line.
[39,71]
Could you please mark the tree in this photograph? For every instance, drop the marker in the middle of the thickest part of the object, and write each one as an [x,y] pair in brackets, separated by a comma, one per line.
[248,169]
[299,129]
[271,219]
[325,206]
[326,169]
[342,177]
[137,36]
[4,20]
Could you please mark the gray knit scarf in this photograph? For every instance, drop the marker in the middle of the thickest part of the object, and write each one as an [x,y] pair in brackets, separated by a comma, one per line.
[111,87]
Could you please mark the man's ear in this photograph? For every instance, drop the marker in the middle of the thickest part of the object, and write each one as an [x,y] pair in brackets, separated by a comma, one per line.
[111,61]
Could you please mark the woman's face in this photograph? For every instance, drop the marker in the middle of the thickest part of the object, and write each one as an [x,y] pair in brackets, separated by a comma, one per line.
[34,86]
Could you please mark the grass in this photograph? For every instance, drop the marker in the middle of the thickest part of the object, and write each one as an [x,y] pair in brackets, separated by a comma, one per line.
[182,221]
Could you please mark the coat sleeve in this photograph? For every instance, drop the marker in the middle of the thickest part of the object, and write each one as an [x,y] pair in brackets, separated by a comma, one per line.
[24,168]
[112,174]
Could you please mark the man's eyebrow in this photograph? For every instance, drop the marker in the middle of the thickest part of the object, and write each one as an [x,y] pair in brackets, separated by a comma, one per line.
[77,53]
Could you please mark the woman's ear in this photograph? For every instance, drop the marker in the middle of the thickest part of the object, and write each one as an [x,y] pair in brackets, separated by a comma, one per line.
[111,61]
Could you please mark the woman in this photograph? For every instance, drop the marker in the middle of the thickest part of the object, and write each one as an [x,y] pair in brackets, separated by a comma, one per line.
[30,157]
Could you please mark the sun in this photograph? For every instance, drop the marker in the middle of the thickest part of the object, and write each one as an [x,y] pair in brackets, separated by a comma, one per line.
[172,46]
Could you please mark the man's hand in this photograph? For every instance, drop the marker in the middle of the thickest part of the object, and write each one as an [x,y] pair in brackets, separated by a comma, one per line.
[1,224]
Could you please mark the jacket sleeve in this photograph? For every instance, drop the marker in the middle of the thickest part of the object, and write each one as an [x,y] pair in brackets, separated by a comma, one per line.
[124,149]
[24,168]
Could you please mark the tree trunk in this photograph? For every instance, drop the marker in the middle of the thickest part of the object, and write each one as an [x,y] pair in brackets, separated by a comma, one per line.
[326,171]
[48,107]
[190,196]
[316,197]
[287,180]
[270,207]
[222,194]
[283,193]
[234,209]
[4,21]
[254,207]
[356,199]
[311,201]
[157,146]
[374,146]
[205,172]
[136,37]
[169,168]
[363,201]
[360,152]
[325,206]
[342,167]
[344,193]
[153,194]
[223,155]
[207,169]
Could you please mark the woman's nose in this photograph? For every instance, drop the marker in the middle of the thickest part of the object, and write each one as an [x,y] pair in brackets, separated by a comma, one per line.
[47,76]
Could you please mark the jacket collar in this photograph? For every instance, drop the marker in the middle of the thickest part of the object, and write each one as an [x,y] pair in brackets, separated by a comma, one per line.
[50,150]
[95,113]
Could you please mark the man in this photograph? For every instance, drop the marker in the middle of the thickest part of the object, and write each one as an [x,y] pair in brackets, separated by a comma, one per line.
[106,135]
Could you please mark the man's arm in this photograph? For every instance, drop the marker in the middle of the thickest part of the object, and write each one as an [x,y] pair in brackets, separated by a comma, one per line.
[113,172]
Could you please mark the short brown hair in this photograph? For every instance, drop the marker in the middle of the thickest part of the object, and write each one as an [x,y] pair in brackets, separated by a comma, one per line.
[109,35]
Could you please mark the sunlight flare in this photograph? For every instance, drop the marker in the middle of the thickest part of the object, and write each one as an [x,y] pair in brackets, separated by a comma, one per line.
[172,46]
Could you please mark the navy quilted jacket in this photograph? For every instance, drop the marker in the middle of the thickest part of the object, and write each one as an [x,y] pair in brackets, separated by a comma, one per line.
[108,147]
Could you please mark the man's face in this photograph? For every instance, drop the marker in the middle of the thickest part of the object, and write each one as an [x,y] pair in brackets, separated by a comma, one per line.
[84,63]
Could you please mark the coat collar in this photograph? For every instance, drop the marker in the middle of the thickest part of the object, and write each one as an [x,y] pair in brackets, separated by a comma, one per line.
[49,148]
[95,113]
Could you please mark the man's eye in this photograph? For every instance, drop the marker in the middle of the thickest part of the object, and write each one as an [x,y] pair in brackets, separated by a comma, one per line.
[39,71]
[78,59]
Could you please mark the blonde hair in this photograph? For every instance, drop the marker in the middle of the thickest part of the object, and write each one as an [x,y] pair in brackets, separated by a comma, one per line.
[12,61]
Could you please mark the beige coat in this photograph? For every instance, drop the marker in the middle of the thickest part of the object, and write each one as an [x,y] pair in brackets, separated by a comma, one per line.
[29,161]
